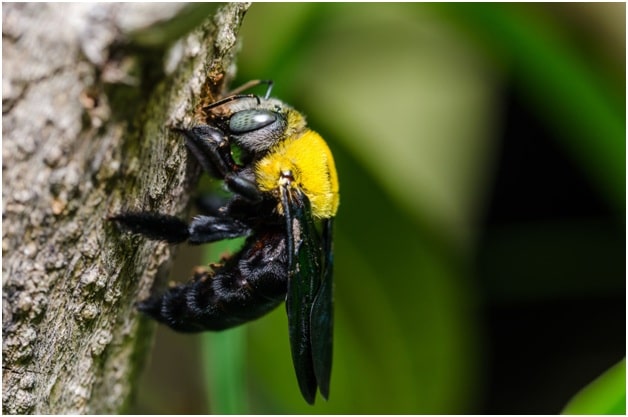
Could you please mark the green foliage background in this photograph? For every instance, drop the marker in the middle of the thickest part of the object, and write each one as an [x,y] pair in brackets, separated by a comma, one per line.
[408,97]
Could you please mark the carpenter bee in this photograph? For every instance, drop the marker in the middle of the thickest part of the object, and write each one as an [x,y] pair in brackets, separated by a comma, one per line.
[284,196]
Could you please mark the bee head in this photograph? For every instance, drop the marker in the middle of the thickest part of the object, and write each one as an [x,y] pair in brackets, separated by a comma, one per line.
[257,124]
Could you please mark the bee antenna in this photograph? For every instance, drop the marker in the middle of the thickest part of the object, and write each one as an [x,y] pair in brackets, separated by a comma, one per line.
[230,98]
[269,83]
[236,94]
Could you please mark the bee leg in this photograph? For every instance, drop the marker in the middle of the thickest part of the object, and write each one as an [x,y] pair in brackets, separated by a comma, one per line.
[154,226]
[203,229]
[211,149]
[243,186]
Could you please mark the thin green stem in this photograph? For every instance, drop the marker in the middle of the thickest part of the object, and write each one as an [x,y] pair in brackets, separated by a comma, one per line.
[224,356]
[224,365]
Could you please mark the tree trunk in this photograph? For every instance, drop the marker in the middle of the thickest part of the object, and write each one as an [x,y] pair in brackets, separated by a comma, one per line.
[90,92]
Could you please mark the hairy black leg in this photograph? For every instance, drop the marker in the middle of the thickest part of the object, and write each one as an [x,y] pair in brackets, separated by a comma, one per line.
[154,226]
[244,186]
[205,229]
[211,148]
[249,285]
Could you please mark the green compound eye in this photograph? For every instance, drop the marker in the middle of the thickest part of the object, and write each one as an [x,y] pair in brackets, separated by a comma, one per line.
[249,120]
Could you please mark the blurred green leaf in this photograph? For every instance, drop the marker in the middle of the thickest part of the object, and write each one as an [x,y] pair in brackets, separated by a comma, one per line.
[224,363]
[223,354]
[605,395]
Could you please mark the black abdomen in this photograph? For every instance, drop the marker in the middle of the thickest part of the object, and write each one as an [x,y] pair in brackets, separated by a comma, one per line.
[250,284]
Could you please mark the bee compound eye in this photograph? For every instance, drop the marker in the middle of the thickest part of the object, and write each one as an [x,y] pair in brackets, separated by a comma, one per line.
[249,120]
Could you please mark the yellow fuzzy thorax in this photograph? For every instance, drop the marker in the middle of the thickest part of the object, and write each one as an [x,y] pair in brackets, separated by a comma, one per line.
[311,163]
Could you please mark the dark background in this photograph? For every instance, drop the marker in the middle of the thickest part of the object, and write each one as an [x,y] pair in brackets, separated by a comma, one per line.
[547,347]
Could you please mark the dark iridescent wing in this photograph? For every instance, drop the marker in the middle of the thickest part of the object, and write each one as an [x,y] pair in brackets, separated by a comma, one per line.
[308,302]
[322,318]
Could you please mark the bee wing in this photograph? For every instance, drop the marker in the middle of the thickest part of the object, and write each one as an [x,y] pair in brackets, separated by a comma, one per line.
[304,266]
[322,316]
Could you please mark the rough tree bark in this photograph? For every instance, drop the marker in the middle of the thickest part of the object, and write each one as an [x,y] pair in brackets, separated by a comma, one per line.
[89,94]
